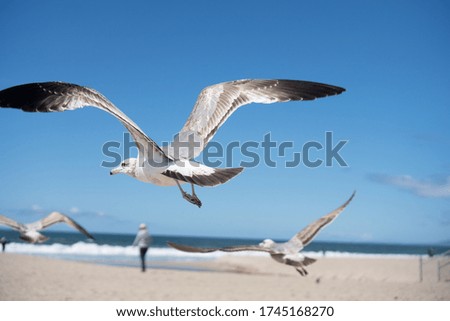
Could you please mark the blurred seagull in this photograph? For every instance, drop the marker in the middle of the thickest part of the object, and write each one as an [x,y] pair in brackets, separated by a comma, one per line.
[286,253]
[29,232]
[170,165]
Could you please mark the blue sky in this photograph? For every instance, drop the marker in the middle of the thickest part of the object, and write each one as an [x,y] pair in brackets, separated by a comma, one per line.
[153,58]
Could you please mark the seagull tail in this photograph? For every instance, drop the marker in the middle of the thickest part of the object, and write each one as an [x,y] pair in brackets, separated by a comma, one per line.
[223,175]
[202,177]
[307,261]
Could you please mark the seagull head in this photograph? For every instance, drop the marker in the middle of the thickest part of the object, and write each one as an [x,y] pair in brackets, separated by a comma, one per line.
[267,243]
[128,167]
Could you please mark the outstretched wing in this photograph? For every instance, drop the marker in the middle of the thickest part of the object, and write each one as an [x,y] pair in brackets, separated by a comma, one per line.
[56,217]
[238,248]
[60,96]
[11,223]
[305,236]
[216,103]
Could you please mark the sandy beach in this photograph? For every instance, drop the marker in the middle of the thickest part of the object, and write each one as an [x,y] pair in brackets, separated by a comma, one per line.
[26,277]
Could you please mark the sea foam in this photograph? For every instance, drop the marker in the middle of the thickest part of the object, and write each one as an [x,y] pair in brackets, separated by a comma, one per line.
[163,253]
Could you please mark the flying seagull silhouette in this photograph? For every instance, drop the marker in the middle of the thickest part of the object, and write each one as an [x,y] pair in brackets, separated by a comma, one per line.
[286,253]
[30,232]
[173,164]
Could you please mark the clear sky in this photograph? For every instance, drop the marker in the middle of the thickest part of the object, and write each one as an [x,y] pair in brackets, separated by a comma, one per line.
[152,58]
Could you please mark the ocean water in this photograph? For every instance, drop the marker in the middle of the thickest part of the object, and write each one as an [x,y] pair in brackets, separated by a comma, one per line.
[116,249]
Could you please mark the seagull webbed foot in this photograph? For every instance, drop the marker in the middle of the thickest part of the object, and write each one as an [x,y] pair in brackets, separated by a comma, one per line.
[193,199]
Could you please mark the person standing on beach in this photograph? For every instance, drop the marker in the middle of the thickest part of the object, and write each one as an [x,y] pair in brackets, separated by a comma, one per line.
[3,241]
[143,241]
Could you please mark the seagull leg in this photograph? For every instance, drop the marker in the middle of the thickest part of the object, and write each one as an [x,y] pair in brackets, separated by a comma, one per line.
[298,266]
[198,202]
[193,199]
[302,271]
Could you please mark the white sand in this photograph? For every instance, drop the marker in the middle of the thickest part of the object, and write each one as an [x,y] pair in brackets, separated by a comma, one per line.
[25,277]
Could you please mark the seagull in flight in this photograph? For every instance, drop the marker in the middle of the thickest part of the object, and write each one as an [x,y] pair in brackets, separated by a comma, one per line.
[287,252]
[30,232]
[173,164]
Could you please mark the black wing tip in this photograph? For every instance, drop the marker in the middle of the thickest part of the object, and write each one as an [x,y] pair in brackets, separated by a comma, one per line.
[35,97]
[180,247]
[291,89]
[353,194]
[176,245]
[84,231]
[191,249]
[315,89]
[350,199]
[295,84]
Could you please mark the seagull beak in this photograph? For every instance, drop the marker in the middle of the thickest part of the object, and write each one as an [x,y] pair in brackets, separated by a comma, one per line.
[115,171]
